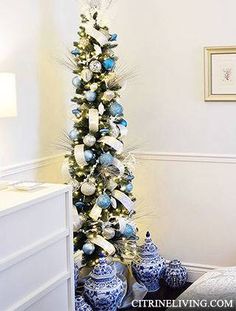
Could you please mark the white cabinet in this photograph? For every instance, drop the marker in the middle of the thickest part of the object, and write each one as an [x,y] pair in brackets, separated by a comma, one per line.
[36,249]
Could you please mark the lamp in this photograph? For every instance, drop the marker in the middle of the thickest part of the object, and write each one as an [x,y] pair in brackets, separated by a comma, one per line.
[7,95]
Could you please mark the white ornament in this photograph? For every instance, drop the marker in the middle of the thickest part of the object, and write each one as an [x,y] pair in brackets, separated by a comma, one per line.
[89,140]
[108,95]
[95,66]
[94,87]
[101,109]
[108,233]
[78,220]
[88,188]
[86,75]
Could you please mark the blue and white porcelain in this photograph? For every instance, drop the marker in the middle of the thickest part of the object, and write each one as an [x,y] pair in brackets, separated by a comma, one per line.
[104,290]
[81,304]
[148,267]
[175,274]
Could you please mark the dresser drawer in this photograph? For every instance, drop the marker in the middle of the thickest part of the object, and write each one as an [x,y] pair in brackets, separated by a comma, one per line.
[25,227]
[29,276]
[56,300]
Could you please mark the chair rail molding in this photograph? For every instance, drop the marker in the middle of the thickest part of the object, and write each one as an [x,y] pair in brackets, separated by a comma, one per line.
[29,165]
[185,157]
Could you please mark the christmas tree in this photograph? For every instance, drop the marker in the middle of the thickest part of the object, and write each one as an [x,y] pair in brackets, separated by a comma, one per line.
[97,165]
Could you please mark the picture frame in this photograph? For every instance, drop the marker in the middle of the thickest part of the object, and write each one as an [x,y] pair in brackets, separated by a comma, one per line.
[220,73]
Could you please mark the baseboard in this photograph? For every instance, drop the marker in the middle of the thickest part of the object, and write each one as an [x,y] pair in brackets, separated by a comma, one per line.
[195,271]
[186,157]
[30,165]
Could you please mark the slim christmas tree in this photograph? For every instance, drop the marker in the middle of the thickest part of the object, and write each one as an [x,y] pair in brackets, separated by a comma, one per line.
[99,169]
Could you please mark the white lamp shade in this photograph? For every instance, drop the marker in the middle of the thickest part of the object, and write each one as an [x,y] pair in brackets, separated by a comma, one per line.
[7,95]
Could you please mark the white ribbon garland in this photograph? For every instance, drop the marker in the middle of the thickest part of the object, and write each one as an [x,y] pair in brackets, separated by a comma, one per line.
[118,164]
[97,35]
[123,130]
[95,212]
[124,199]
[93,120]
[79,155]
[112,142]
[104,244]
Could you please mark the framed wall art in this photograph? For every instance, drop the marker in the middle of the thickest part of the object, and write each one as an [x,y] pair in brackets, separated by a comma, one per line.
[220,73]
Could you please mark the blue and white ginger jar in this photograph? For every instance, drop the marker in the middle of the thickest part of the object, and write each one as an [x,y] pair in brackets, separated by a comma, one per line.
[81,304]
[175,274]
[148,267]
[104,290]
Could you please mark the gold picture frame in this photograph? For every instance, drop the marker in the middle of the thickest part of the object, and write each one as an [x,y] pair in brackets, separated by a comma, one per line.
[220,73]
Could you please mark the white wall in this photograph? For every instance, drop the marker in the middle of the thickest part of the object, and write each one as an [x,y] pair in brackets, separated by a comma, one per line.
[182,180]
[34,36]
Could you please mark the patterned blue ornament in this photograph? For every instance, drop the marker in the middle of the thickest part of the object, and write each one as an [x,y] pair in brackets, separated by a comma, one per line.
[123,122]
[88,154]
[104,201]
[76,112]
[129,187]
[74,134]
[109,64]
[116,110]
[76,81]
[129,231]
[106,159]
[113,37]
[75,52]
[90,96]
[88,248]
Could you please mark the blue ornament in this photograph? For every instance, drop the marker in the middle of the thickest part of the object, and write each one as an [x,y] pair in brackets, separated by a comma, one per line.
[88,154]
[123,122]
[90,96]
[109,64]
[106,159]
[113,37]
[104,201]
[88,248]
[129,177]
[129,231]
[80,206]
[129,187]
[76,81]
[75,52]
[74,134]
[116,109]
[76,112]
[104,131]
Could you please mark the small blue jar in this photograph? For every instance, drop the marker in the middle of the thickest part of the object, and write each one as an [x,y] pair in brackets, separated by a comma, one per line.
[104,290]
[148,267]
[175,274]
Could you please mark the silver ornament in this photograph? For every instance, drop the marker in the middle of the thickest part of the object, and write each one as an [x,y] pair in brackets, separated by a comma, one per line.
[86,75]
[94,87]
[108,95]
[89,140]
[95,66]
[88,188]
[76,81]
[108,233]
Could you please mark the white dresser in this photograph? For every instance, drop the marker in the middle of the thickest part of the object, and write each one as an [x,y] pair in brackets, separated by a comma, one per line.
[36,252]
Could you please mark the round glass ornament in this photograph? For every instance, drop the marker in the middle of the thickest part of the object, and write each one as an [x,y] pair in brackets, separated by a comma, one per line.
[95,66]
[88,154]
[88,248]
[88,188]
[116,109]
[89,140]
[104,201]
[76,81]
[106,159]
[90,96]
[74,134]
[109,64]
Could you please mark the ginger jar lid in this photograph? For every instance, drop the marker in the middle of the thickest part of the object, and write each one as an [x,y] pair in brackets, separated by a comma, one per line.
[148,249]
[102,270]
